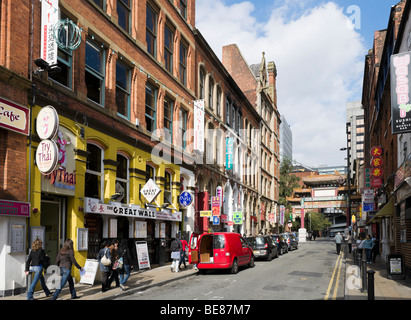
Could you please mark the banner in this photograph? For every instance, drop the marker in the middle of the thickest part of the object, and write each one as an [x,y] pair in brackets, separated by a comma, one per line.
[229,154]
[199,126]
[400,98]
[49,17]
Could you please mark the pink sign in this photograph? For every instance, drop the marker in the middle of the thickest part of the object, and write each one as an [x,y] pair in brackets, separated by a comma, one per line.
[14,208]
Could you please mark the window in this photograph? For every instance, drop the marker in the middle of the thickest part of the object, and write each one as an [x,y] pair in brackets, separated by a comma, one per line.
[123,89]
[183,63]
[150,108]
[94,172]
[100,3]
[168,198]
[218,104]
[183,8]
[151,31]
[150,173]
[168,48]
[122,178]
[183,127]
[124,14]
[94,75]
[202,81]
[210,93]
[168,118]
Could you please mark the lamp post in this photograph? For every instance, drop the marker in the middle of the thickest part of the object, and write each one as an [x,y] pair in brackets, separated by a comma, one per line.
[349,184]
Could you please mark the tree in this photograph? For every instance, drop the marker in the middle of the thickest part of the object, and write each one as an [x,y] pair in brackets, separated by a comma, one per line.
[288,182]
[318,221]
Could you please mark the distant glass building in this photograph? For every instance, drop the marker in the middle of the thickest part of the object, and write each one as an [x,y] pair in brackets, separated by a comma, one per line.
[355,130]
[286,140]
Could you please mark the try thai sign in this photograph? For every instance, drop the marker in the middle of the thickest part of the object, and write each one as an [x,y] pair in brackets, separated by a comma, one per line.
[400,93]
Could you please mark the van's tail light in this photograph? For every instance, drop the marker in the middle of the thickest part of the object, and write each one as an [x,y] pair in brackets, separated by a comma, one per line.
[227,254]
[266,246]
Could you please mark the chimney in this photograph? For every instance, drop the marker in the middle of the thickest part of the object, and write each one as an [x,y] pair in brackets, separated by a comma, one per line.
[272,77]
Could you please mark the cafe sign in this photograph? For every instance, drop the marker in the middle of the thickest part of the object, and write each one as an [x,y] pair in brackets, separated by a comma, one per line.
[14,117]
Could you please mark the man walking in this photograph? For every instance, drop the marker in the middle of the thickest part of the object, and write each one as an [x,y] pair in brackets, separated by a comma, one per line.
[338,239]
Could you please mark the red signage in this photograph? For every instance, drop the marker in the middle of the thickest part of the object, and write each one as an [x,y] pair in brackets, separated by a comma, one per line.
[376,164]
[376,182]
[376,151]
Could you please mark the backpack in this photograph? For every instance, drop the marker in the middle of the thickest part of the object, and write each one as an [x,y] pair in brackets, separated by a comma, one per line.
[176,245]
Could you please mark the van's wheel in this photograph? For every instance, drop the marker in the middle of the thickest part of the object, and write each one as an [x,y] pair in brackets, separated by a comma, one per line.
[234,268]
[252,262]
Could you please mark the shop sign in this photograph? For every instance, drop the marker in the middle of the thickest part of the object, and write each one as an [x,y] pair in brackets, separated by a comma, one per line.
[400,92]
[47,123]
[229,155]
[14,117]
[199,126]
[216,220]
[142,255]
[271,217]
[367,178]
[47,156]
[49,17]
[14,209]
[215,206]
[219,193]
[238,217]
[186,199]
[223,218]
[205,213]
[150,190]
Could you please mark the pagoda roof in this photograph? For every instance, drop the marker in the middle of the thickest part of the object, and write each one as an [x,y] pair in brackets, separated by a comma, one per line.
[326,179]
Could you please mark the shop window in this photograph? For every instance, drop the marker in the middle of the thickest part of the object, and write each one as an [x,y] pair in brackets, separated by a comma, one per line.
[124,14]
[168,119]
[122,178]
[183,127]
[94,172]
[150,104]
[94,72]
[168,48]
[183,63]
[65,62]
[123,89]
[151,30]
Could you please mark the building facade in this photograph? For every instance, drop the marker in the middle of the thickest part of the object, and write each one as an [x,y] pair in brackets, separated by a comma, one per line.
[286,140]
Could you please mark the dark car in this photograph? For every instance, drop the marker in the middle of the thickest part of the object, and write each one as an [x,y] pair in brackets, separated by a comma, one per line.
[291,240]
[263,247]
[282,246]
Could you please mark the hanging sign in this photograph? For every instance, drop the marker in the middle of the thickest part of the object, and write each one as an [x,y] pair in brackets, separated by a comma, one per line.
[400,92]
[47,158]
[199,126]
[14,117]
[185,199]
[229,155]
[150,190]
[238,217]
[49,17]
[47,123]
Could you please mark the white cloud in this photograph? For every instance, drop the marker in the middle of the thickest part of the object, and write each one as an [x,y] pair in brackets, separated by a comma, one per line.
[319,59]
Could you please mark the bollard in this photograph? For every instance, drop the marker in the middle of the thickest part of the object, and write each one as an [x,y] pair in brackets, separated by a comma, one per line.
[364,275]
[371,295]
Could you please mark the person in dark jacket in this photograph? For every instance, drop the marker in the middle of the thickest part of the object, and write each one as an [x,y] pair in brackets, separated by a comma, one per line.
[124,253]
[34,263]
[65,259]
[105,269]
[114,256]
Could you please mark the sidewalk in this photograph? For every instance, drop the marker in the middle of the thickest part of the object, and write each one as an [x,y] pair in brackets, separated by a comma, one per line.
[138,281]
[384,288]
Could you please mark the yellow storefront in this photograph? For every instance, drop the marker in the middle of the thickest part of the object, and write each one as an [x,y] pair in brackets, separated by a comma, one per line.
[94,165]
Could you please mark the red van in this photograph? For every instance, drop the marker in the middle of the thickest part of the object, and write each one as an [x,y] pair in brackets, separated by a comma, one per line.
[220,250]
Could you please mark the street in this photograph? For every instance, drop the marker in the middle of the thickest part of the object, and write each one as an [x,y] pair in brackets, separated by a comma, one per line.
[313,272]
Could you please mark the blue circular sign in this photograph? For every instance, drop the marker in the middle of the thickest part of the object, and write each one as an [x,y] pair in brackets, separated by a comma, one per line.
[186,199]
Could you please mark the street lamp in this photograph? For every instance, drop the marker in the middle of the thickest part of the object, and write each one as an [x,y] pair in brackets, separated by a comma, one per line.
[349,184]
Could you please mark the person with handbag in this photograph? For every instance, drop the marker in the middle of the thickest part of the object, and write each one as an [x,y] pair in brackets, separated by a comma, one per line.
[65,260]
[125,270]
[175,248]
[104,257]
[114,267]
[35,263]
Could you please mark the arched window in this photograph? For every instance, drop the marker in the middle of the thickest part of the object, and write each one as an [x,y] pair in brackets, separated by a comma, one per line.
[201,92]
[94,178]
[168,197]
[211,93]
[122,178]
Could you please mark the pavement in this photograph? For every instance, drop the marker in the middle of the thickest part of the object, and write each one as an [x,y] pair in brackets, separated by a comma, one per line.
[139,281]
[384,288]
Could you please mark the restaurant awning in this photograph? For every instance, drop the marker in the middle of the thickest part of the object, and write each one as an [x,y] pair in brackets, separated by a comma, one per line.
[384,212]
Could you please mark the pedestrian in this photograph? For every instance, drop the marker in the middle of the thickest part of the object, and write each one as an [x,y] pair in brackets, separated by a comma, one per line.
[338,239]
[175,253]
[348,239]
[368,245]
[34,263]
[124,253]
[65,260]
[104,257]
[114,256]
[183,253]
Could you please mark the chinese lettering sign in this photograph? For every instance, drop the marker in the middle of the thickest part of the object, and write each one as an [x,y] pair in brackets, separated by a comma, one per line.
[49,17]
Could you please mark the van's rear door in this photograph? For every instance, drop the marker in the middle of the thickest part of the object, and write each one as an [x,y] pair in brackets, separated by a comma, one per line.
[193,248]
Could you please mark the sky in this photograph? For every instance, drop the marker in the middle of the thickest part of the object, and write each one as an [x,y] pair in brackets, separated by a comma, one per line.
[319,48]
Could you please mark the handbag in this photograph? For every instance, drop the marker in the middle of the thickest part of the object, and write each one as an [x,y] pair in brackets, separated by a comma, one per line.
[175,255]
[46,262]
[104,260]
[118,264]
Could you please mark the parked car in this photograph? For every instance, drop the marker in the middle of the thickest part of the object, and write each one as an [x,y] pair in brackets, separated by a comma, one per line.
[263,247]
[291,241]
[220,250]
[282,245]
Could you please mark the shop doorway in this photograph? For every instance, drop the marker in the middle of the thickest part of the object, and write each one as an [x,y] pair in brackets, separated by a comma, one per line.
[53,218]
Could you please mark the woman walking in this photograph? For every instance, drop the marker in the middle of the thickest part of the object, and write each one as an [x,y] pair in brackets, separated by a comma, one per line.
[65,260]
[124,253]
[34,263]
[104,257]
[367,246]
